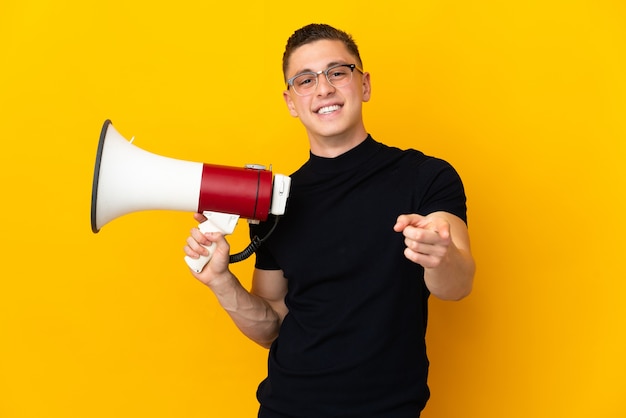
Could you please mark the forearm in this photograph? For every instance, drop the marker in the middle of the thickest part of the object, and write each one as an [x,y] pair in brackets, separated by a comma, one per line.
[251,314]
[453,278]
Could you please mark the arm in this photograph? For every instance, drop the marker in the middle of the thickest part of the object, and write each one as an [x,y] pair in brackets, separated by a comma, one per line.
[257,313]
[440,243]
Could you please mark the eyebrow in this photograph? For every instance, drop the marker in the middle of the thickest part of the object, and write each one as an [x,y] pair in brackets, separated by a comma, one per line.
[330,64]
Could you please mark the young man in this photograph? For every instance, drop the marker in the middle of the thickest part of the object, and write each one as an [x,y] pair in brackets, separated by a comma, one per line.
[340,289]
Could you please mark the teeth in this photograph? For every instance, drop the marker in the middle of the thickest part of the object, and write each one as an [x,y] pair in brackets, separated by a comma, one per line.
[328,109]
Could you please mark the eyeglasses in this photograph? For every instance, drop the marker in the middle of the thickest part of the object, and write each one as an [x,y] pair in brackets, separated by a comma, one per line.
[338,76]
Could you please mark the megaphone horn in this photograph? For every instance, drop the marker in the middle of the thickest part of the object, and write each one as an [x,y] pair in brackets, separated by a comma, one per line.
[128,179]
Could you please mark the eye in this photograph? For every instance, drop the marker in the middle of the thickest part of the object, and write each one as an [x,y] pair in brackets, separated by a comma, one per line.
[338,73]
[304,80]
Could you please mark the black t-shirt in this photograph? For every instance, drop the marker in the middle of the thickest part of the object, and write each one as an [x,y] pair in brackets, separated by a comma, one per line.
[352,344]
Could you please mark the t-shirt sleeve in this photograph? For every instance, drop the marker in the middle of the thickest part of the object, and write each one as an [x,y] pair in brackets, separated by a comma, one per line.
[444,190]
[263,258]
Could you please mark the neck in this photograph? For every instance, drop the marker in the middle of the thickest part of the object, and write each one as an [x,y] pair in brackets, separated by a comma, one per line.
[333,146]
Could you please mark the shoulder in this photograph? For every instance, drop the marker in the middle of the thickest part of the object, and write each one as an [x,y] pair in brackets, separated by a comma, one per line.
[414,159]
[434,183]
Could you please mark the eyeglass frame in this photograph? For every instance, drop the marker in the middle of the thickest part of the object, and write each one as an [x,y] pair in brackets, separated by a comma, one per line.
[317,74]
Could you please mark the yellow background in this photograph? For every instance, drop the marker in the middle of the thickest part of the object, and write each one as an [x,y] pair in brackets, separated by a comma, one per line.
[527,99]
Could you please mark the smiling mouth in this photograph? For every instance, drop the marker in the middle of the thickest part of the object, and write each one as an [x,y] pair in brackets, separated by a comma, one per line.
[328,109]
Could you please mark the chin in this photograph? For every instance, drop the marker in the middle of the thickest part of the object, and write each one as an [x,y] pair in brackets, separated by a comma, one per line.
[329,131]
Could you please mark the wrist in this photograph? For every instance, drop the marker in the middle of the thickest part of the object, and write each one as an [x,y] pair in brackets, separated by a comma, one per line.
[221,283]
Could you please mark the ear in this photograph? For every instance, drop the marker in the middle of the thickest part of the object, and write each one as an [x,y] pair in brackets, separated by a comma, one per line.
[367,87]
[290,104]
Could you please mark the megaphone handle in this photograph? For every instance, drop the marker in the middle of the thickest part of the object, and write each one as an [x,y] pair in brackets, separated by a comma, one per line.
[216,222]
[197,264]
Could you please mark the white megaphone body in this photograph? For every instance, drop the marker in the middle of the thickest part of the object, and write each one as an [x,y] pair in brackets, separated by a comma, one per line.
[128,179]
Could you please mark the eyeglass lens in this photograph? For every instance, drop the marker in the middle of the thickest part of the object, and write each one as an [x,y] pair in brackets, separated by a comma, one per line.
[337,76]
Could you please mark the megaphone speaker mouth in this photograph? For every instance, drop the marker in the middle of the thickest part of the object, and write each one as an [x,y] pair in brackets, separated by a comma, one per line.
[96,176]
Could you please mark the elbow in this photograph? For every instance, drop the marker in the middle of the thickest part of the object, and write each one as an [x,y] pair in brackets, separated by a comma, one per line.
[264,339]
[265,343]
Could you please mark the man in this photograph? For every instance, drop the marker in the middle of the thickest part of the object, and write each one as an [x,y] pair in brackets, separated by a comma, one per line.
[340,289]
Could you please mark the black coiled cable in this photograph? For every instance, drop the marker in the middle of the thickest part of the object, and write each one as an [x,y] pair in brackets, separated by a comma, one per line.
[253,246]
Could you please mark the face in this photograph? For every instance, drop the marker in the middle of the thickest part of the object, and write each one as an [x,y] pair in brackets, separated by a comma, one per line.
[329,113]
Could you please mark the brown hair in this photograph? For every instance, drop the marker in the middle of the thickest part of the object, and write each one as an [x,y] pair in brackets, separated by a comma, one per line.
[316,32]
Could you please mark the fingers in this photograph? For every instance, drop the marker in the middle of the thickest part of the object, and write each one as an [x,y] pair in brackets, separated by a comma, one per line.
[425,247]
[409,224]
[426,238]
[425,260]
[197,243]
[405,220]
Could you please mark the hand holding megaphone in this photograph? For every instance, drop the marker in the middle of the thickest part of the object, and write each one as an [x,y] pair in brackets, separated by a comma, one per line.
[224,223]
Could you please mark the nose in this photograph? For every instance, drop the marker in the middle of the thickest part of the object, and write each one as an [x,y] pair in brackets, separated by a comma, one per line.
[323,85]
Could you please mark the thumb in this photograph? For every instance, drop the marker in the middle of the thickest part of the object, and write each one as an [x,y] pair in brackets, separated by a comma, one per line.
[438,225]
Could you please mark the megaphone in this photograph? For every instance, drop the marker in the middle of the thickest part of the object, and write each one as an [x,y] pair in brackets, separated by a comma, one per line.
[128,179]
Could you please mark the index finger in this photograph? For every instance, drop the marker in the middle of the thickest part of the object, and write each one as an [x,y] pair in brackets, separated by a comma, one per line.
[199,217]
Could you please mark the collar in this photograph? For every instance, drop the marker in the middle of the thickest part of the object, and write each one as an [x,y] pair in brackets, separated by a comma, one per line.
[346,161]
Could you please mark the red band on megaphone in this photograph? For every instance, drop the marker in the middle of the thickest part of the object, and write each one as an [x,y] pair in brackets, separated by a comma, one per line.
[246,192]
